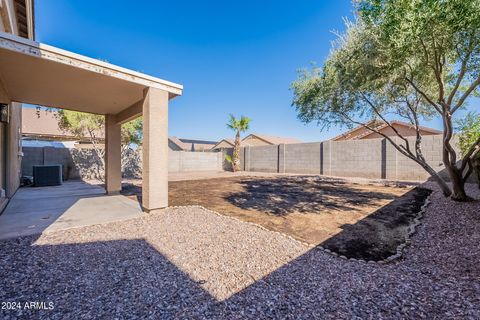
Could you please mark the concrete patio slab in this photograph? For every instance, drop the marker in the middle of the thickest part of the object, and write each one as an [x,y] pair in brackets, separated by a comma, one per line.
[73,204]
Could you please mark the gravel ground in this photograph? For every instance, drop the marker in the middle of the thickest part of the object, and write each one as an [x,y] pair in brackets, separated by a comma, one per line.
[192,263]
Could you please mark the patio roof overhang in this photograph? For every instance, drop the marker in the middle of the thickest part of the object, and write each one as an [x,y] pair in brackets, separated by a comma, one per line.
[36,73]
[31,72]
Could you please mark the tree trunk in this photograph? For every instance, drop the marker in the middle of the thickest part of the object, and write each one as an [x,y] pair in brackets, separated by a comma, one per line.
[450,159]
[236,153]
[478,177]
[476,167]
[458,185]
[441,183]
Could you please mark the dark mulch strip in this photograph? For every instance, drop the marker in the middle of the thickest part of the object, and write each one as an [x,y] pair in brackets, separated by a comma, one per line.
[377,236]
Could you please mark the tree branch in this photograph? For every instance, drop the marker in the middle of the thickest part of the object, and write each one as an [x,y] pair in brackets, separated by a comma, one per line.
[463,70]
[385,120]
[469,171]
[465,95]
[424,95]
[400,148]
[418,138]
[449,155]
[469,153]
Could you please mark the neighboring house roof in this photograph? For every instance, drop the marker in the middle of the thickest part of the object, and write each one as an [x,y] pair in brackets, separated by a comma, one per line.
[229,141]
[361,132]
[44,125]
[192,145]
[40,123]
[269,140]
[273,139]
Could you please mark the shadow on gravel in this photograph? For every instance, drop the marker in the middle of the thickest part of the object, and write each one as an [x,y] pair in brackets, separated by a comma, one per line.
[123,279]
[378,235]
[132,279]
[281,196]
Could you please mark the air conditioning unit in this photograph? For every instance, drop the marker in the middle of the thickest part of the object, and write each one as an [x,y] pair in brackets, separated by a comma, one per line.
[48,175]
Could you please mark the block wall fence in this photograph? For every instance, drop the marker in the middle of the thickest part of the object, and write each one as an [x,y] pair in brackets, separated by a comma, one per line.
[369,158]
[372,158]
[84,163]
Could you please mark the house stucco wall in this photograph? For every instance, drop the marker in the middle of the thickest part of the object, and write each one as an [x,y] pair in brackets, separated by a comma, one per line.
[13,149]
[10,133]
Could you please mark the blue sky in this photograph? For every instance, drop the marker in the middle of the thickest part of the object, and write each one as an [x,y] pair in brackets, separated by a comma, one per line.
[231,56]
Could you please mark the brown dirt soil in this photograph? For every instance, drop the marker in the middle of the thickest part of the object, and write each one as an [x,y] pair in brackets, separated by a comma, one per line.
[341,215]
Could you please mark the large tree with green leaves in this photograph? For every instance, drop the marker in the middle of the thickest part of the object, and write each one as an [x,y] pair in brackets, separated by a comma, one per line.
[239,126]
[410,59]
[92,126]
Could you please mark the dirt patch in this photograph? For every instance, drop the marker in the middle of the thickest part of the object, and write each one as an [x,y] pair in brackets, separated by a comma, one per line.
[377,236]
[311,209]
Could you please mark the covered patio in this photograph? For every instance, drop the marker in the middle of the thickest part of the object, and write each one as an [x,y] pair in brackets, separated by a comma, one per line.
[34,73]
[74,204]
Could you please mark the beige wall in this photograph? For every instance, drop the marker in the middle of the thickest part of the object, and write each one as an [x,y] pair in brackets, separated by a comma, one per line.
[14,149]
[10,135]
[10,151]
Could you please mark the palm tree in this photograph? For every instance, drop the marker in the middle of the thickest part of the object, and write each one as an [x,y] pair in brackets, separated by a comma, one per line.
[238,125]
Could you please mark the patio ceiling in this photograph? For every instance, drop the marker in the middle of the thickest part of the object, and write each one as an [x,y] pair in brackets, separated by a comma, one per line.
[31,72]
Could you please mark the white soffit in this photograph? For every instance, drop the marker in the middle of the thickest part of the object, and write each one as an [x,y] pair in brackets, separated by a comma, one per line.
[36,73]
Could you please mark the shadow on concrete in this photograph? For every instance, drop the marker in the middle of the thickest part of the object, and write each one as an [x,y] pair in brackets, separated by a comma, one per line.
[75,203]
[284,195]
[132,191]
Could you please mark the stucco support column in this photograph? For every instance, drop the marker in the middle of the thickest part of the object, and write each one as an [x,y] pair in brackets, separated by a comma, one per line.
[113,157]
[155,149]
